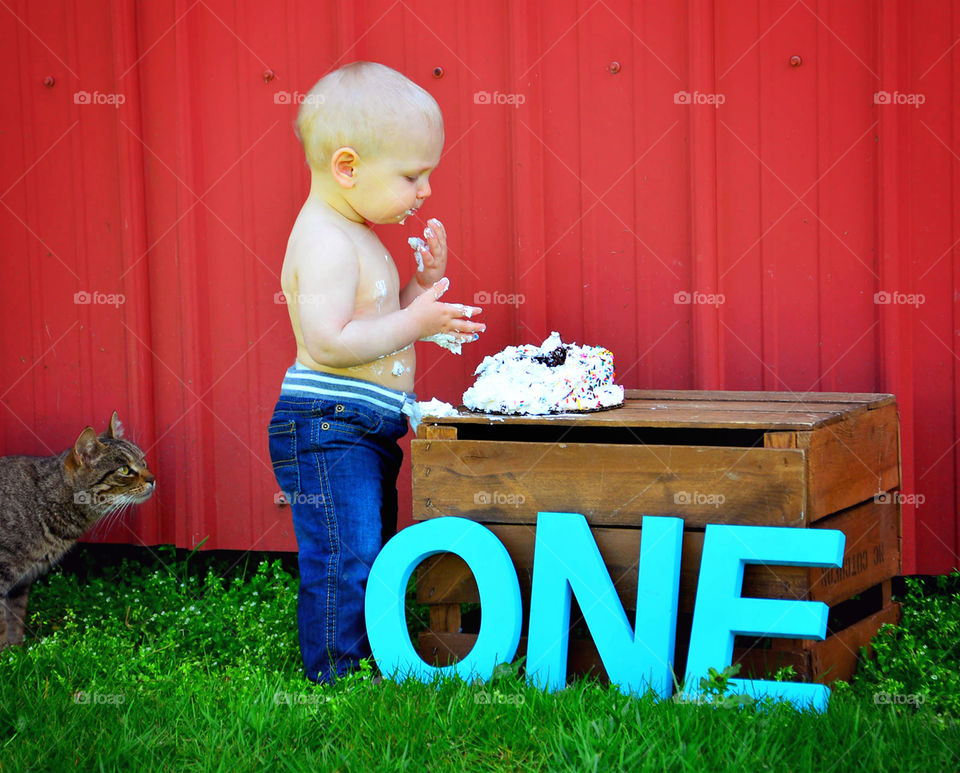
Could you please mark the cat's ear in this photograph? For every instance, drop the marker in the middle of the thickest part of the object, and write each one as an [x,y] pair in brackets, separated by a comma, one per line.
[116,428]
[85,450]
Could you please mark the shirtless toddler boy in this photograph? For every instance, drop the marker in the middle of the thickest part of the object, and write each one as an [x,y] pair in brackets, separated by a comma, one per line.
[371,138]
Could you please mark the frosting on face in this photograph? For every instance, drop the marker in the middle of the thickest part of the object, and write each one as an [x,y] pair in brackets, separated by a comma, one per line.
[551,378]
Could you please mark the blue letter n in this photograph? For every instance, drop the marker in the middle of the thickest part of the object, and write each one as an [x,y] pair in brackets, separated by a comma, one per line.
[567,560]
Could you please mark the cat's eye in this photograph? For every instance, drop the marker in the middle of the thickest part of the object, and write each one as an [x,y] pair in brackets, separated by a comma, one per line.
[124,470]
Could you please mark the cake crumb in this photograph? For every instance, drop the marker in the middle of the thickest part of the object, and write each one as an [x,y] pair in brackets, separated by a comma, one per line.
[437,408]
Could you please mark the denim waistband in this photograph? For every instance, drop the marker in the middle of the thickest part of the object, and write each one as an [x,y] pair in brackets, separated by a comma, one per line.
[301,381]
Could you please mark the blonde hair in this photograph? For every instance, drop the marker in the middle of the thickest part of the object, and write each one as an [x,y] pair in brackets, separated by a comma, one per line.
[363,105]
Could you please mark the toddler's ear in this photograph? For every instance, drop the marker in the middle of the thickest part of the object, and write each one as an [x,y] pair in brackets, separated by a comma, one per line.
[343,166]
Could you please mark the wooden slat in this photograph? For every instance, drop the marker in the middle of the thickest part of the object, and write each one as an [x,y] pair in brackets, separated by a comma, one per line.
[847,462]
[445,617]
[447,578]
[442,649]
[664,414]
[852,461]
[871,556]
[852,398]
[510,482]
[706,409]
[436,432]
[871,553]
[836,656]
[824,662]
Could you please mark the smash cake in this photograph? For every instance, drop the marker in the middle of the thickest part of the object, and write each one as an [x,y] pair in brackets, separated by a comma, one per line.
[551,378]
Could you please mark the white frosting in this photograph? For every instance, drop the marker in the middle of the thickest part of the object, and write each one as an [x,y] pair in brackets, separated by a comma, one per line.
[446,340]
[515,381]
[380,293]
[417,244]
[398,369]
[437,408]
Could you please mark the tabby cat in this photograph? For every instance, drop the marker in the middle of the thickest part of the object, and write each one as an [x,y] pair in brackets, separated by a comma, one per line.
[48,502]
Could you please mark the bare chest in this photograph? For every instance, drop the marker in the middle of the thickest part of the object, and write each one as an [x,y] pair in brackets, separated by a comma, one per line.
[378,286]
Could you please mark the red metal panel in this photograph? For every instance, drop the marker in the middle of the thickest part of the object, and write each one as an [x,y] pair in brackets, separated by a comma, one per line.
[585,209]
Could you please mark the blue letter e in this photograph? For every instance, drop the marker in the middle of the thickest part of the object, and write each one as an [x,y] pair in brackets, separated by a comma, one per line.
[721,613]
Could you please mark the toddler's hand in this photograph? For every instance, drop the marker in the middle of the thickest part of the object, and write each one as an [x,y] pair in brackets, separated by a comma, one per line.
[451,318]
[431,253]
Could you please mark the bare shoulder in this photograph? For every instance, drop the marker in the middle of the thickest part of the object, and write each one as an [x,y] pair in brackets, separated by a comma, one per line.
[317,245]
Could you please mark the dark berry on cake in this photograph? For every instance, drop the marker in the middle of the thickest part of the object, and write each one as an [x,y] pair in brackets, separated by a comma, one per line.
[553,359]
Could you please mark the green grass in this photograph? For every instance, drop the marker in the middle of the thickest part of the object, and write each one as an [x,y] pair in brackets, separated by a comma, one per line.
[169,666]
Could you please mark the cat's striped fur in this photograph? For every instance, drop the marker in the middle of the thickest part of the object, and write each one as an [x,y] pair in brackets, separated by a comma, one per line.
[48,502]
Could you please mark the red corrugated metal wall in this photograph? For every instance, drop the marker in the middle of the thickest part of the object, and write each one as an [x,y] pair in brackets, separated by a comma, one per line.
[779,182]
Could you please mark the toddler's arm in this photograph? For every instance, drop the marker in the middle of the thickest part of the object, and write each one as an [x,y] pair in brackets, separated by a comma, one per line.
[327,286]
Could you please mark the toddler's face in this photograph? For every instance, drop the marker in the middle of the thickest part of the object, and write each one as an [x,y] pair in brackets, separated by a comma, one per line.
[395,183]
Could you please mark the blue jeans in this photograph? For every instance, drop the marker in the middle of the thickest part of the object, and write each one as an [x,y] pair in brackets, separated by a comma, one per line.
[337,462]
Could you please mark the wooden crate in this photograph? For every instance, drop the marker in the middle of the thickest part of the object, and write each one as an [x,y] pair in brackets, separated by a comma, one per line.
[758,458]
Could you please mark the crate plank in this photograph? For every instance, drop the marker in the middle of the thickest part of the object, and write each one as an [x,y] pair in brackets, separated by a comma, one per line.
[445,617]
[662,414]
[705,409]
[825,662]
[872,554]
[836,656]
[436,432]
[850,398]
[850,462]
[510,482]
[443,649]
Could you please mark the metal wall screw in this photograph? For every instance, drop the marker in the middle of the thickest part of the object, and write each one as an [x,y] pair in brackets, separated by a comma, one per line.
[614,68]
[795,61]
[49,81]
[437,72]
[268,75]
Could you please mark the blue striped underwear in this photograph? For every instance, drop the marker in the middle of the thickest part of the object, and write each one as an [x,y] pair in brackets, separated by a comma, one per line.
[301,381]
